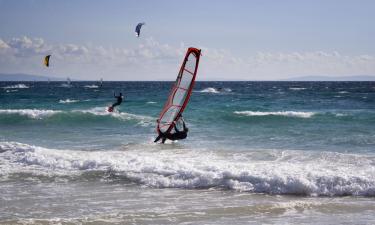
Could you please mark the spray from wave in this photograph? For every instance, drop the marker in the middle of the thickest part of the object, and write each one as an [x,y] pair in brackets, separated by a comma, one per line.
[284,172]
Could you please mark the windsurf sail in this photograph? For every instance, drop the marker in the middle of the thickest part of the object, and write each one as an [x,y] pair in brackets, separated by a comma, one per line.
[138,29]
[180,93]
[46,60]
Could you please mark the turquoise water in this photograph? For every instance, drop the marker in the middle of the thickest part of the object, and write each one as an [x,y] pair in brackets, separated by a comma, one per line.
[266,148]
[318,116]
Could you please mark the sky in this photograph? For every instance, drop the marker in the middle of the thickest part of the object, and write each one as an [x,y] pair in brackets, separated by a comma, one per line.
[240,40]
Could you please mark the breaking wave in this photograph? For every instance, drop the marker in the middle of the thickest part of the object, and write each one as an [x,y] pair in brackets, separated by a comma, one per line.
[91,86]
[30,113]
[279,113]
[215,90]
[68,101]
[16,86]
[296,88]
[79,114]
[284,172]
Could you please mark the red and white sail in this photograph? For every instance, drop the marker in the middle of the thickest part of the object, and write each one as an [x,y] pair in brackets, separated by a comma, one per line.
[181,91]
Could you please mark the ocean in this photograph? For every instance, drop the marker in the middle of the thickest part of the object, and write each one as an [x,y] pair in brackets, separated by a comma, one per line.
[256,153]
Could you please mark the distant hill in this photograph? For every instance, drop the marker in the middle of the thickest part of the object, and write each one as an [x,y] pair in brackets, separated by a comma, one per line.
[27,77]
[329,78]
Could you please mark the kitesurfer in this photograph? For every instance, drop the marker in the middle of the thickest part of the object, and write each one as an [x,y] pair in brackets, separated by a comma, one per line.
[177,135]
[138,29]
[118,102]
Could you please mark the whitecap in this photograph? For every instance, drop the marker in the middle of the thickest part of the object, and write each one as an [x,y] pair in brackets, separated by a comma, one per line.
[65,85]
[68,101]
[16,86]
[297,88]
[31,113]
[102,111]
[278,113]
[91,86]
[290,172]
[209,90]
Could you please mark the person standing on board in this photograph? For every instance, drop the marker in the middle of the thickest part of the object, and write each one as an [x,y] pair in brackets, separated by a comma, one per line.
[177,135]
[118,102]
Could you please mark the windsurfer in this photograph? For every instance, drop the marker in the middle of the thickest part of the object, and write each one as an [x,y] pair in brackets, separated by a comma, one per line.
[176,135]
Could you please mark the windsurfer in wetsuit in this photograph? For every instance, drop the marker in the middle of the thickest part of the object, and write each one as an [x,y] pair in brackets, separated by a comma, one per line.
[118,102]
[177,135]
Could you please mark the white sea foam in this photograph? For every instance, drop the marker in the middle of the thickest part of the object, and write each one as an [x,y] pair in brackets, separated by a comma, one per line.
[151,102]
[215,90]
[209,90]
[288,172]
[91,86]
[68,101]
[97,111]
[296,88]
[278,113]
[66,85]
[16,86]
[102,111]
[31,113]
[13,90]
[343,92]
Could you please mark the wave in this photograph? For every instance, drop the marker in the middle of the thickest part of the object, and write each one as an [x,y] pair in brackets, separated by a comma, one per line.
[30,113]
[296,88]
[286,172]
[91,86]
[65,85]
[97,111]
[214,90]
[209,90]
[278,113]
[151,102]
[102,111]
[14,90]
[16,86]
[68,101]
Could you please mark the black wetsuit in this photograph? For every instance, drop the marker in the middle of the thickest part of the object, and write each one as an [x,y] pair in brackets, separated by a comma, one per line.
[118,102]
[177,135]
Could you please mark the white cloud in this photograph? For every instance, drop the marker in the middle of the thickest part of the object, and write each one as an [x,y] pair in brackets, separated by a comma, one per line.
[152,60]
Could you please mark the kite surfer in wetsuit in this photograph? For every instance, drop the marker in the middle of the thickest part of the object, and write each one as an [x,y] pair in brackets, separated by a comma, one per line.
[177,135]
[118,102]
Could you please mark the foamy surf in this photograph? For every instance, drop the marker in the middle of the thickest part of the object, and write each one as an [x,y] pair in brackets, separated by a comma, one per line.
[209,90]
[102,111]
[278,113]
[16,86]
[287,172]
[97,111]
[91,86]
[68,101]
[297,88]
[31,113]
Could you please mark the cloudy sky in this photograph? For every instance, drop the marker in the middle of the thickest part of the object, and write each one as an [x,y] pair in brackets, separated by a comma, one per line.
[240,40]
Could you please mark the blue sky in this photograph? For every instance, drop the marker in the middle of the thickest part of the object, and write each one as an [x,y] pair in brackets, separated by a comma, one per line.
[260,39]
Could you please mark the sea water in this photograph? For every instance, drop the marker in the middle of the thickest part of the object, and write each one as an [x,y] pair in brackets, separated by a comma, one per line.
[256,152]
